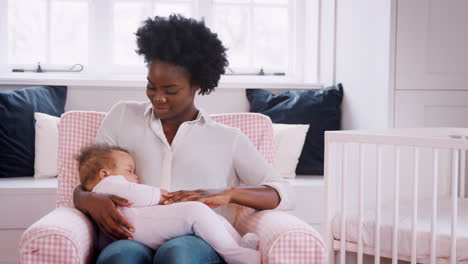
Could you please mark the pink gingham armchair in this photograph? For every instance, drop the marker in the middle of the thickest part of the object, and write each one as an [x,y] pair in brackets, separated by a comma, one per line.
[66,235]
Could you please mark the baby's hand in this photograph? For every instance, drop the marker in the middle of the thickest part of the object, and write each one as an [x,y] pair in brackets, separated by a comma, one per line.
[163,197]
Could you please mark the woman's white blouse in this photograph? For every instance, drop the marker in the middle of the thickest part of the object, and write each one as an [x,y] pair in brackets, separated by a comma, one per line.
[203,155]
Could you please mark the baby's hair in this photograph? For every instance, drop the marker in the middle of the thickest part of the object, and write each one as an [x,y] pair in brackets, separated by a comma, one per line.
[92,159]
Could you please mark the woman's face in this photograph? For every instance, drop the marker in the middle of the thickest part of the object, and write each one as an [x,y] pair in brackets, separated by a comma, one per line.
[169,90]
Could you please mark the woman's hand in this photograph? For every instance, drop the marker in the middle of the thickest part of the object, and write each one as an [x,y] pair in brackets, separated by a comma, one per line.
[163,197]
[213,198]
[102,209]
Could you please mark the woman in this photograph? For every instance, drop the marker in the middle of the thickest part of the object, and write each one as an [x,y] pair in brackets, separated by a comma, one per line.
[178,147]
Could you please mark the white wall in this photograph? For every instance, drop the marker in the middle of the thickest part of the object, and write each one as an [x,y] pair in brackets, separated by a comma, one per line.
[102,98]
[363,51]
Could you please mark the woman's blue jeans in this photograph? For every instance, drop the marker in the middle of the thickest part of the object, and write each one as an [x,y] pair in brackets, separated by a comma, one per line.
[180,250]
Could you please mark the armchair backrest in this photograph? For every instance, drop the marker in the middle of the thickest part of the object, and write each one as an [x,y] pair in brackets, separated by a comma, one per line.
[79,128]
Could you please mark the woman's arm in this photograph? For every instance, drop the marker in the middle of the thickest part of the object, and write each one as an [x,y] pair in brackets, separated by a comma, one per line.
[102,209]
[265,185]
[259,198]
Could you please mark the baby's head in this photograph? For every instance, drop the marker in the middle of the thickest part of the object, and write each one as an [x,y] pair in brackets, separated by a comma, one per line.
[97,161]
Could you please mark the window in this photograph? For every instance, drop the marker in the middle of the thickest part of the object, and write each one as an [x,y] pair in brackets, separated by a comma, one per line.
[54,32]
[259,34]
[255,33]
[127,16]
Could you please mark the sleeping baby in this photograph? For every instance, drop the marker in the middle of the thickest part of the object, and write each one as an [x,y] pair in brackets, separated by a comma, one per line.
[111,170]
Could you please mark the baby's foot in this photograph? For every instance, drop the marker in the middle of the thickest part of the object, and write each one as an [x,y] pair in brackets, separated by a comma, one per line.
[250,240]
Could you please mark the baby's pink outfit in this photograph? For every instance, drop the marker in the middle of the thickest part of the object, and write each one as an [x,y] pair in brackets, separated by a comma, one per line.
[155,224]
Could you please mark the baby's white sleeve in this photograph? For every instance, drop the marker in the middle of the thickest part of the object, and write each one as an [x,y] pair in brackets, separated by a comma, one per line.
[139,194]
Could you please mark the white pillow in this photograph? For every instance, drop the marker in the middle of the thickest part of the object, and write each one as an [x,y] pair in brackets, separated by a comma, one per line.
[46,148]
[289,140]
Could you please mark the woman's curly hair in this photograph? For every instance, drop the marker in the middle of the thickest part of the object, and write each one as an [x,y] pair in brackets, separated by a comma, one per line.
[187,43]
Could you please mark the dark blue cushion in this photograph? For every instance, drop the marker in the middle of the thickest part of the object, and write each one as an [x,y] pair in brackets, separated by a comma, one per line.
[17,131]
[318,108]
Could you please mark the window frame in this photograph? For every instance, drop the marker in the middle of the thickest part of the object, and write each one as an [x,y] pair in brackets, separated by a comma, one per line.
[304,17]
[3,35]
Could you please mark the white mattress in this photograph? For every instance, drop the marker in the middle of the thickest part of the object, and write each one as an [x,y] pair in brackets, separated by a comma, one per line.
[405,222]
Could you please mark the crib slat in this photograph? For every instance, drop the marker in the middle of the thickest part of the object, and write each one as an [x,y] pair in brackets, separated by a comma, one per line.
[435,161]
[415,206]
[378,203]
[343,205]
[396,207]
[453,239]
[462,173]
[361,205]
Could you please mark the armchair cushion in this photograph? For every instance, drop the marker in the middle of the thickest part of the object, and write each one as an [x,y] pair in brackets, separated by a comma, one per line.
[76,130]
[65,235]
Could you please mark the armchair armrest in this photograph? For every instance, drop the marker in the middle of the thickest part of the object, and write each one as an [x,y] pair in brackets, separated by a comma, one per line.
[284,238]
[65,235]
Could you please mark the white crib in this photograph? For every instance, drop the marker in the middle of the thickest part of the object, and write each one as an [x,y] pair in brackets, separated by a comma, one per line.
[396,195]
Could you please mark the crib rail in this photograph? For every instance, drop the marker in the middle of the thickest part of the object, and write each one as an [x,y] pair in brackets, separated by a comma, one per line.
[345,163]
[451,141]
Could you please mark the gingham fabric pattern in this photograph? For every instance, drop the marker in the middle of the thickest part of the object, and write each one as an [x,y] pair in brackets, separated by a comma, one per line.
[76,130]
[284,237]
[52,240]
[65,235]
[297,246]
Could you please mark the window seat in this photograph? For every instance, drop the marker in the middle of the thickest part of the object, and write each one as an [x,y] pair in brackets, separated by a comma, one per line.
[28,184]
[24,201]
[309,199]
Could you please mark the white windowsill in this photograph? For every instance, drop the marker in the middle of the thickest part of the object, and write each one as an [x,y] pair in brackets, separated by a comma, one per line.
[73,79]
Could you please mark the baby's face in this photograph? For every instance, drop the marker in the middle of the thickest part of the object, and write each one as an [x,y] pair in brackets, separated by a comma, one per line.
[125,166]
